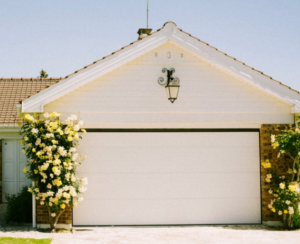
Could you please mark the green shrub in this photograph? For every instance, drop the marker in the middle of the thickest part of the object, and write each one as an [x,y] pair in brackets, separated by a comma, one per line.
[19,207]
[296,220]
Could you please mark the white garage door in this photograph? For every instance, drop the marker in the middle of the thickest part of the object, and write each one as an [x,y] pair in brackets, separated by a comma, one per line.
[169,178]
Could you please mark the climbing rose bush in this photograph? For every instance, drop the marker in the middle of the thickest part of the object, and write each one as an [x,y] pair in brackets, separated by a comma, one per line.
[285,190]
[50,147]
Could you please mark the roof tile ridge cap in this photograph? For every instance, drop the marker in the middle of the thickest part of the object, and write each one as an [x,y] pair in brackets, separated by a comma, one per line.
[171,22]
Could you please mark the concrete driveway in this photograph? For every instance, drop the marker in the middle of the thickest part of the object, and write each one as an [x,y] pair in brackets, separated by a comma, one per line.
[162,235]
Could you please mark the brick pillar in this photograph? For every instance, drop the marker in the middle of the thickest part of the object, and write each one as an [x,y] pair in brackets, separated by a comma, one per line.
[280,164]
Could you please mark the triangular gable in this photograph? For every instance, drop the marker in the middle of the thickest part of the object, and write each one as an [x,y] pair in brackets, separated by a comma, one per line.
[169,32]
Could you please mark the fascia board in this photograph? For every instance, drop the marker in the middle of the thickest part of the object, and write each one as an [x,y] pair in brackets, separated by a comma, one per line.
[227,64]
[37,102]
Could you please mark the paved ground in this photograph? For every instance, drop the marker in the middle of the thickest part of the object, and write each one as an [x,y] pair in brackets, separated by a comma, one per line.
[162,235]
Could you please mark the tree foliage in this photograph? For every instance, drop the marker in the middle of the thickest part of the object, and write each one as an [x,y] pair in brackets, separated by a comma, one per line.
[43,74]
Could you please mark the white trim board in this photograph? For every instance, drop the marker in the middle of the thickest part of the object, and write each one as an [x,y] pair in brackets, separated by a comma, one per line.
[169,32]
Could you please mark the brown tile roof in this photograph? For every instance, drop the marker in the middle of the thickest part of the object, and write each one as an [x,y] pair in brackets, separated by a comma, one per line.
[13,90]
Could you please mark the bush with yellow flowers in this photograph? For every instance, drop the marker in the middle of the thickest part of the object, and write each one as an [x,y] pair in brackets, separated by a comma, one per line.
[286,190]
[50,148]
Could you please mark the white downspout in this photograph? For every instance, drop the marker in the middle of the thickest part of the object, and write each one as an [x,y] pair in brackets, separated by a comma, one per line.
[297,120]
[33,209]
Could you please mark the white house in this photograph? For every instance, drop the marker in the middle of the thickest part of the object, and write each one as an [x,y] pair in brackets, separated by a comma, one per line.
[153,162]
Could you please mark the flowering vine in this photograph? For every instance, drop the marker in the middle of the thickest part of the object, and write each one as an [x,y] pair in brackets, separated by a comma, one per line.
[285,190]
[50,147]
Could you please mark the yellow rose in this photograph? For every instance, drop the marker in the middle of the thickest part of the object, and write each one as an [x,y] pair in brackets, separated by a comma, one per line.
[266,164]
[28,117]
[293,186]
[273,210]
[281,185]
[62,206]
[25,170]
[33,150]
[285,211]
[54,114]
[70,138]
[54,169]
[275,145]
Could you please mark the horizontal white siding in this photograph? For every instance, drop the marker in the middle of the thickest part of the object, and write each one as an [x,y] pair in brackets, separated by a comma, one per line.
[131,94]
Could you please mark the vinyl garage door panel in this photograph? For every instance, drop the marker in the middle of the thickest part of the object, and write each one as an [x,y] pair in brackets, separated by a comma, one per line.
[170,178]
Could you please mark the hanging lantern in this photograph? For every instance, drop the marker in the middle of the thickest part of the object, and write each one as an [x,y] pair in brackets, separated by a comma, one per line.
[171,84]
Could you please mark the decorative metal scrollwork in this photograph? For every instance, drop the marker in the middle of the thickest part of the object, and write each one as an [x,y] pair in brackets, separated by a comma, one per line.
[170,77]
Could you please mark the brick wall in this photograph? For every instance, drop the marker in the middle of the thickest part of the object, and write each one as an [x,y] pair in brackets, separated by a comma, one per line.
[280,164]
[43,216]
[1,170]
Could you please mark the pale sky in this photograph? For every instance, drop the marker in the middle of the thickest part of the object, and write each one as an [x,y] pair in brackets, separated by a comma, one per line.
[61,36]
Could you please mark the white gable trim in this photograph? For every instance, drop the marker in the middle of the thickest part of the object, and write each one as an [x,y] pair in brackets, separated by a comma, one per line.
[238,69]
[37,101]
[168,33]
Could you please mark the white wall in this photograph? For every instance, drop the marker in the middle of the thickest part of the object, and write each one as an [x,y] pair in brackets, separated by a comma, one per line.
[131,97]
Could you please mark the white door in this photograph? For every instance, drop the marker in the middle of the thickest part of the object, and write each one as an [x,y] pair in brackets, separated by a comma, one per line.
[13,162]
[168,178]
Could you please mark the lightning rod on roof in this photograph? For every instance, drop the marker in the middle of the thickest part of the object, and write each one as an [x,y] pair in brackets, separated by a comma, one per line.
[143,32]
[147,12]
